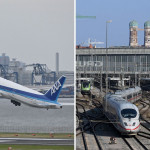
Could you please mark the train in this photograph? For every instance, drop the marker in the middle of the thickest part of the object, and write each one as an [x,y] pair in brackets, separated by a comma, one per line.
[131,94]
[85,87]
[121,112]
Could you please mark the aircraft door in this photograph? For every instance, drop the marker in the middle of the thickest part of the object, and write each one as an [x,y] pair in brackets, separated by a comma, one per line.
[33,101]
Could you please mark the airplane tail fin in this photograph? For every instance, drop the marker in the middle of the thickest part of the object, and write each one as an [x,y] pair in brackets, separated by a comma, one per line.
[54,92]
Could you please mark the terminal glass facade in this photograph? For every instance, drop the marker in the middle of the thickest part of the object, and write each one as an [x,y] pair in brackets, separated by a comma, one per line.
[116,63]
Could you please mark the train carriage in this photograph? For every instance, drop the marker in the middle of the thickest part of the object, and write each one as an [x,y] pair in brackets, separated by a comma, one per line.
[85,87]
[123,114]
[131,94]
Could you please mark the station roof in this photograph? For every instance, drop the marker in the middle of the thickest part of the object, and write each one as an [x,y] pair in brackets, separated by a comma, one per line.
[114,51]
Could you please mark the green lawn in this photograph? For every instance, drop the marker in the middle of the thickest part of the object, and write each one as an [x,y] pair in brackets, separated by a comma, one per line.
[33,147]
[38,135]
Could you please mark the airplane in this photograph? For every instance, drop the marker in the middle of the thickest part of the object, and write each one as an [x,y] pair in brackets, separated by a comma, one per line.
[20,94]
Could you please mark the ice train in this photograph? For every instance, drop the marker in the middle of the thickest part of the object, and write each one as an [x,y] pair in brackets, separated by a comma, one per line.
[123,114]
[131,94]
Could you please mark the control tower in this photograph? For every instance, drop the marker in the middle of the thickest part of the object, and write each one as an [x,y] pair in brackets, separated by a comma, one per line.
[147,34]
[133,27]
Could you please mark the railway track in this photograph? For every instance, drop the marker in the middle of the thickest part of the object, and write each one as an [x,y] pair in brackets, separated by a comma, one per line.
[86,128]
[94,133]
[134,143]
[141,140]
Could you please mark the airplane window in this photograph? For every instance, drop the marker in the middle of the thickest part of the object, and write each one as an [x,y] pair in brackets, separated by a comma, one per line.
[128,113]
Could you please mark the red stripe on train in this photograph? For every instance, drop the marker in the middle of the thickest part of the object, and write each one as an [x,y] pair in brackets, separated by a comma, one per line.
[134,97]
[129,129]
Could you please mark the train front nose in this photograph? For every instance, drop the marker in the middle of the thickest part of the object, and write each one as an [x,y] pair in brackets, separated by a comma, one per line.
[129,128]
[132,127]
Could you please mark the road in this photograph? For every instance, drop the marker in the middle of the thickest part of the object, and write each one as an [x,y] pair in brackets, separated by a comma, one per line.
[36,141]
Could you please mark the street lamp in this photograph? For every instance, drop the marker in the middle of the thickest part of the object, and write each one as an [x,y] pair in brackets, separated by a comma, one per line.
[108,21]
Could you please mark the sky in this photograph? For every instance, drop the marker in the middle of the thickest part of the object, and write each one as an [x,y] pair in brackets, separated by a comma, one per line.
[32,31]
[121,12]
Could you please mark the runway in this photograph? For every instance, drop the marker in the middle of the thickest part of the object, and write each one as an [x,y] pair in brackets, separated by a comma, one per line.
[36,141]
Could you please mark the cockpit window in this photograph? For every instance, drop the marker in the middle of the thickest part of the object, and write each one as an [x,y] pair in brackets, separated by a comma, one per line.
[85,84]
[128,113]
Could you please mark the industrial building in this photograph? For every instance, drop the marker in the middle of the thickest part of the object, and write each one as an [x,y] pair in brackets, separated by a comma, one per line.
[31,74]
[4,60]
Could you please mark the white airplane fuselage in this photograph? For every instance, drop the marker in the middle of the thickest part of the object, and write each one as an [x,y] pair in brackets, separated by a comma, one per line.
[20,94]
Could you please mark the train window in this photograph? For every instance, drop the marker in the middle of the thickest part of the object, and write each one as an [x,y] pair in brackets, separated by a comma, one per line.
[86,84]
[129,96]
[128,113]
[134,94]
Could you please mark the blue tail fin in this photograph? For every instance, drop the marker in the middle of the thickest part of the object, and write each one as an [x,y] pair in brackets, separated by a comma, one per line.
[54,92]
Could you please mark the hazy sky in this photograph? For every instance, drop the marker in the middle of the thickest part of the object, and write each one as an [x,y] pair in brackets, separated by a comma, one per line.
[121,12]
[34,30]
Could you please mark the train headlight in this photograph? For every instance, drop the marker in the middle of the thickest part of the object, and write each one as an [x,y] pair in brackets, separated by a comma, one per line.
[133,124]
[125,124]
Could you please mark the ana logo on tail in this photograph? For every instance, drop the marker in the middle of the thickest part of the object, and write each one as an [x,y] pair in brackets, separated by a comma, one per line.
[54,92]
[55,87]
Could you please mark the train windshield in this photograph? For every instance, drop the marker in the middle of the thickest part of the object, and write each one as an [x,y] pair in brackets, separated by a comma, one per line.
[85,84]
[128,113]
